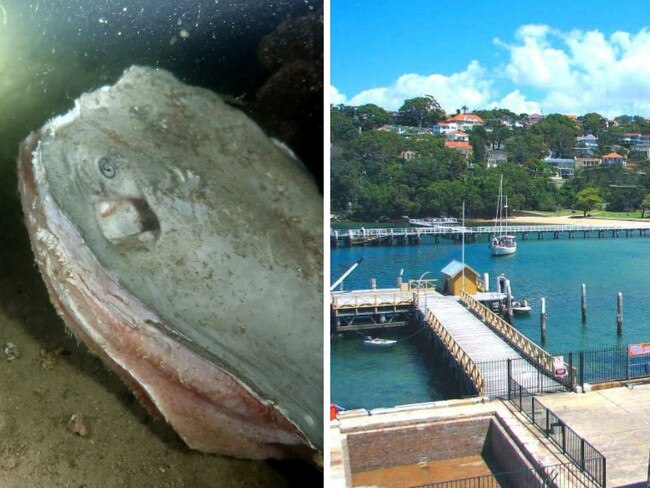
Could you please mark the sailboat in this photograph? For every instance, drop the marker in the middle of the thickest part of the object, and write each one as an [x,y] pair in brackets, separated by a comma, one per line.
[502,243]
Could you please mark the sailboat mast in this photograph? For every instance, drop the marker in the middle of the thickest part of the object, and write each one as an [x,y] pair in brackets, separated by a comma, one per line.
[505,218]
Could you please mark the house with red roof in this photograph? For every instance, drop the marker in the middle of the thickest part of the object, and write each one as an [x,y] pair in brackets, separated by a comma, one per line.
[465,121]
[464,147]
[613,159]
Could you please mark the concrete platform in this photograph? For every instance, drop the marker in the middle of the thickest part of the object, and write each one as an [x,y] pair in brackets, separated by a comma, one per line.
[616,422]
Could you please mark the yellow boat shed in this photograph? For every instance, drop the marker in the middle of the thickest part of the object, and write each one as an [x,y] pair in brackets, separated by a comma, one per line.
[453,274]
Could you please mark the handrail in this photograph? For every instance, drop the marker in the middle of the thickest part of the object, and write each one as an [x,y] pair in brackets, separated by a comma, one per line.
[458,353]
[458,229]
[527,347]
[429,284]
[373,300]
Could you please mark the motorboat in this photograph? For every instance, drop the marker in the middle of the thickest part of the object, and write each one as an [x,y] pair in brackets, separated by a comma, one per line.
[521,307]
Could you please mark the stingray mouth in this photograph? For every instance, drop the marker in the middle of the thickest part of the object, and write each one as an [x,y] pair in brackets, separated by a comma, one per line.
[126,218]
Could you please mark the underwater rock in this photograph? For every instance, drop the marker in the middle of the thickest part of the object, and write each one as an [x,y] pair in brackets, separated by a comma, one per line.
[184,248]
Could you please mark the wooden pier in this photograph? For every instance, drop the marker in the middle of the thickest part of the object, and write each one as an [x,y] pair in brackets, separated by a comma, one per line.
[478,342]
[415,235]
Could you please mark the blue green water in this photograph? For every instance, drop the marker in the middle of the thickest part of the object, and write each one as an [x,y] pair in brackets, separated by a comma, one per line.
[553,269]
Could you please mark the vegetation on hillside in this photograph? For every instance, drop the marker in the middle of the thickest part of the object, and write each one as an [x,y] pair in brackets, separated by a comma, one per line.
[371,179]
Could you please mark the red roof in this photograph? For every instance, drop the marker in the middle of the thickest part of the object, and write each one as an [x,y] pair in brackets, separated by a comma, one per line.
[457,144]
[465,118]
[612,155]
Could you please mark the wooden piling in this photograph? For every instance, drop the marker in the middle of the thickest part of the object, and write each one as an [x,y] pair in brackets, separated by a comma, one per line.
[373,284]
[583,303]
[543,320]
[619,314]
[486,281]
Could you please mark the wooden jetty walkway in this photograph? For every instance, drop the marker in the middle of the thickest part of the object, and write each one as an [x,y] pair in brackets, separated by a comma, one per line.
[479,342]
[415,235]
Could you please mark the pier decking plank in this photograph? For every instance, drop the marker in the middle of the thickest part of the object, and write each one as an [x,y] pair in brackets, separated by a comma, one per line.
[483,345]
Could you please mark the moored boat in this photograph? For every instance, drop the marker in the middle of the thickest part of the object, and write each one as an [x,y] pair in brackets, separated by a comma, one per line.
[369,341]
[502,244]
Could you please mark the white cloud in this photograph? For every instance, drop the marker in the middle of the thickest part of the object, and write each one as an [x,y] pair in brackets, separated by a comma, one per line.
[336,97]
[546,70]
[517,102]
[471,87]
[582,71]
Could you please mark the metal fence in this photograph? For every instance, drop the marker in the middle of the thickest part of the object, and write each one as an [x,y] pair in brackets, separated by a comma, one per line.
[609,364]
[556,476]
[496,373]
[590,366]
[585,456]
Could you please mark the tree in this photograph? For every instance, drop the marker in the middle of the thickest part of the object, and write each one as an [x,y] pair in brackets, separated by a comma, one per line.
[592,123]
[377,146]
[559,132]
[343,126]
[525,148]
[645,205]
[370,116]
[416,111]
[588,199]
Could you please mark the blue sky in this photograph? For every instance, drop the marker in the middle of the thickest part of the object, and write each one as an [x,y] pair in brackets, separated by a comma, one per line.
[544,56]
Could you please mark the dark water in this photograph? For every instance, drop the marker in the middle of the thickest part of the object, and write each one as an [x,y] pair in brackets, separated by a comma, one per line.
[553,269]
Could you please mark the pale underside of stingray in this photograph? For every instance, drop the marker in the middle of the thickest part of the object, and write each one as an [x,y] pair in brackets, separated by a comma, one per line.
[185,249]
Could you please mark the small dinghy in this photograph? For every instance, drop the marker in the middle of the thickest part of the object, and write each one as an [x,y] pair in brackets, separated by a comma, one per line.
[521,307]
[369,341]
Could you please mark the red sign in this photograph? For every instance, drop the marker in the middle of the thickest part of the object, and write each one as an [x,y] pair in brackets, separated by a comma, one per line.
[638,349]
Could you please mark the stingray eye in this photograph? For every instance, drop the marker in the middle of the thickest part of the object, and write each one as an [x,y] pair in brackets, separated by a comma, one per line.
[107,167]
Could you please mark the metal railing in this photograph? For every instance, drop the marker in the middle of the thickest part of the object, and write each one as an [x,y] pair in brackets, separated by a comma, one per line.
[555,476]
[458,229]
[609,365]
[522,343]
[585,456]
[419,285]
[372,299]
[496,373]
[472,372]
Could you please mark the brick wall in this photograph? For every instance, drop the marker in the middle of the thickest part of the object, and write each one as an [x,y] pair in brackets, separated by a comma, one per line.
[409,444]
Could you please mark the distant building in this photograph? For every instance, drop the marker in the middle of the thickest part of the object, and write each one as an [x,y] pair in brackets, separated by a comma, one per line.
[588,162]
[495,157]
[408,155]
[565,166]
[457,136]
[532,119]
[445,128]
[464,147]
[589,141]
[507,122]
[641,152]
[466,121]
[636,140]
[613,159]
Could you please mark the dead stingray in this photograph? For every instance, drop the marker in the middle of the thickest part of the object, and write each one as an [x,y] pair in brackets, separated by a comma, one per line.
[184,247]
